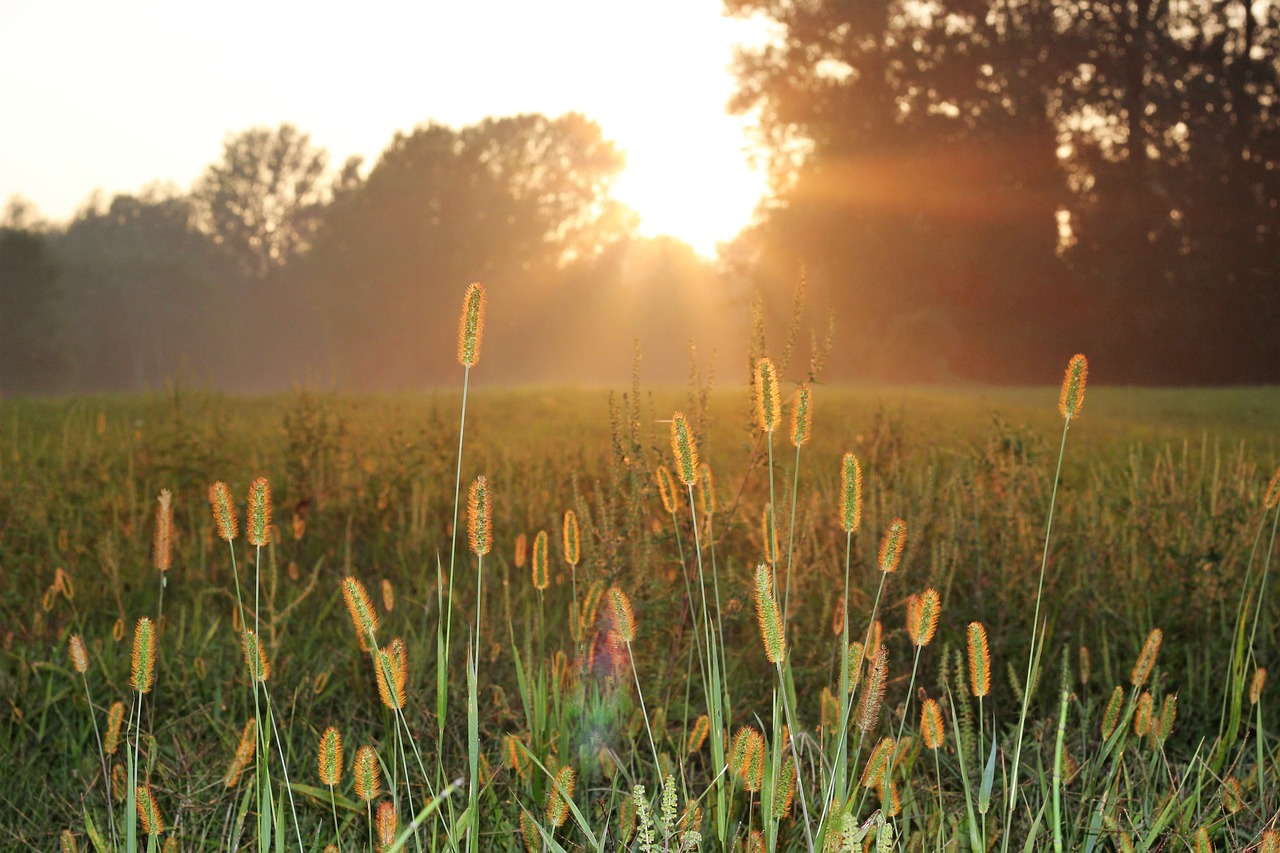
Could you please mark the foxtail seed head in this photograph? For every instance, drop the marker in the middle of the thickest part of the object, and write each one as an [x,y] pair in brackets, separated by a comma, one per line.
[1146,659]
[850,494]
[368,778]
[624,621]
[1272,496]
[480,517]
[224,514]
[541,574]
[572,547]
[706,491]
[685,449]
[363,616]
[872,695]
[775,646]
[667,489]
[1168,713]
[1256,685]
[876,773]
[388,595]
[922,620]
[895,539]
[258,515]
[698,734]
[144,656]
[1072,396]
[1270,842]
[68,841]
[330,757]
[560,795]
[245,751]
[255,657]
[387,823]
[931,728]
[784,790]
[522,548]
[1142,718]
[79,657]
[1111,715]
[979,660]
[148,811]
[471,325]
[801,416]
[768,396]
[164,531]
[391,667]
[115,717]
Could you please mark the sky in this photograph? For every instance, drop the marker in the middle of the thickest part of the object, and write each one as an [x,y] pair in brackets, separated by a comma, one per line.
[120,94]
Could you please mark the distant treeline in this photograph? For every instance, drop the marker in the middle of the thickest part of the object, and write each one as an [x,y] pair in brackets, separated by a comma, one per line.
[973,189]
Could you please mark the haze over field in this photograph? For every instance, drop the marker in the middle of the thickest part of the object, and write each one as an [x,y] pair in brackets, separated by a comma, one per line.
[971,192]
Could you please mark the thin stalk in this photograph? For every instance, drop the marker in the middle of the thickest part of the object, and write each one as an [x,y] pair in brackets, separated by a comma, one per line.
[284,768]
[333,804]
[442,663]
[715,709]
[795,752]
[791,533]
[643,713]
[1031,657]
[102,755]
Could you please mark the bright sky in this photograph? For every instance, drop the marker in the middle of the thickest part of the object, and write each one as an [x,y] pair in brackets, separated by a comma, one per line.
[118,94]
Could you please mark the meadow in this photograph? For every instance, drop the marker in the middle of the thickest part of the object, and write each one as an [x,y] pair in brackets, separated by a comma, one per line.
[588,639]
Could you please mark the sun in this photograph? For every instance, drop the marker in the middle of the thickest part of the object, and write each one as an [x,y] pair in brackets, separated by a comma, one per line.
[684,185]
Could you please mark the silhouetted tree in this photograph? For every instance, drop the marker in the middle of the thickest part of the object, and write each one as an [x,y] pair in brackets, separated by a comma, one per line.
[31,354]
[512,202]
[262,200]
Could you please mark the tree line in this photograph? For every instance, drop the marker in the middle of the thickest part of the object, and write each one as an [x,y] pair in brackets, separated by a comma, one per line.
[972,189]
[278,269]
[980,188]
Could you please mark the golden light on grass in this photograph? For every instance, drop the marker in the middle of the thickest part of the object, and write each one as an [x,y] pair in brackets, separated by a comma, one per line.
[329,757]
[931,729]
[891,546]
[363,616]
[255,657]
[143,670]
[768,396]
[388,596]
[1072,396]
[705,491]
[471,325]
[163,549]
[559,796]
[258,514]
[1146,658]
[667,489]
[685,449]
[368,777]
[79,657]
[224,513]
[922,616]
[872,695]
[480,517]
[521,551]
[801,415]
[572,545]
[979,660]
[148,811]
[769,617]
[850,494]
[541,572]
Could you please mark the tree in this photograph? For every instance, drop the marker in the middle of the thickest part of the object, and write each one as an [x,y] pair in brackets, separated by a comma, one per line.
[262,200]
[148,295]
[510,201]
[31,354]
[1000,182]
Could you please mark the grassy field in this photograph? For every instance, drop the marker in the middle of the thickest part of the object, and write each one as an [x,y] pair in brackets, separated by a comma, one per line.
[1158,522]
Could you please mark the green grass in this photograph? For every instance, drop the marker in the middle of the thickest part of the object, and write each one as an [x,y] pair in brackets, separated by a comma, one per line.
[1156,519]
